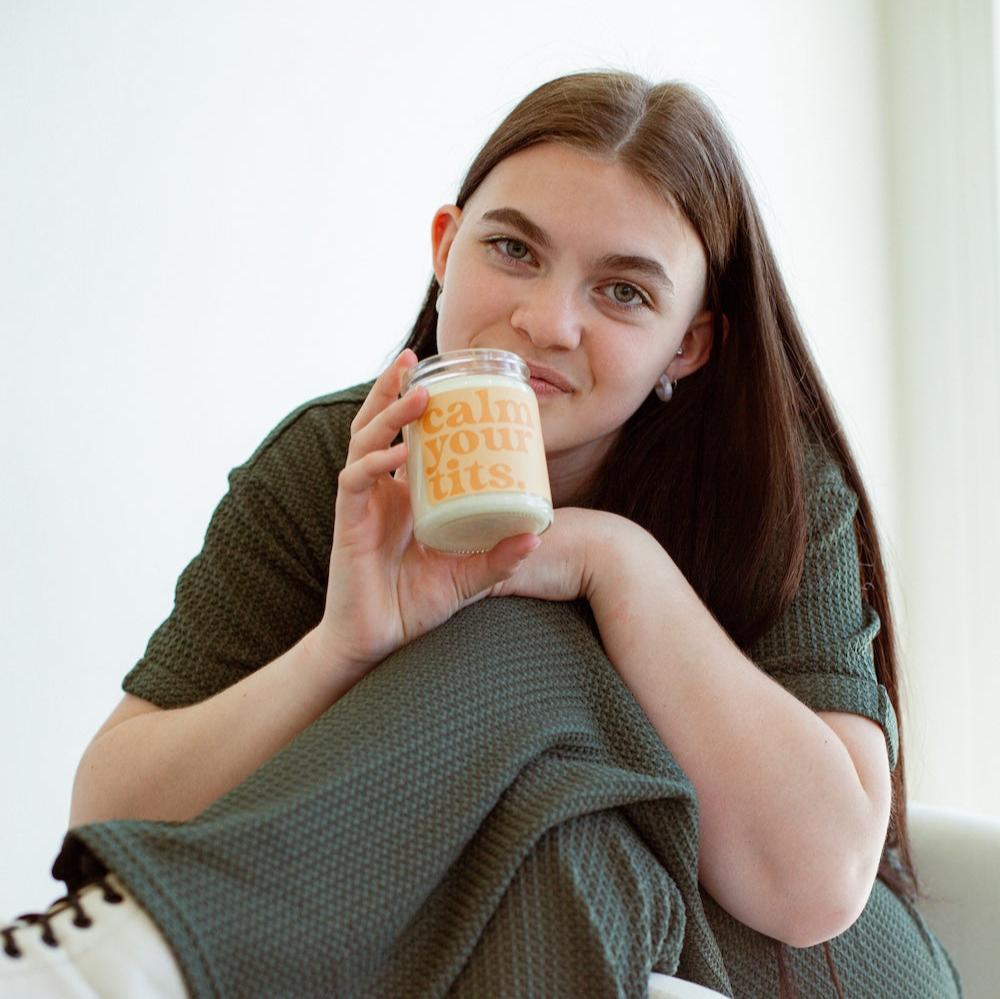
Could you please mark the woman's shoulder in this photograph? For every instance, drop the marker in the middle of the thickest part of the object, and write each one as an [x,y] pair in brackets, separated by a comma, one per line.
[316,431]
[821,466]
[828,496]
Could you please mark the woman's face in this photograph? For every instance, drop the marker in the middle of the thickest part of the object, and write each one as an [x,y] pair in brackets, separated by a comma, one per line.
[576,265]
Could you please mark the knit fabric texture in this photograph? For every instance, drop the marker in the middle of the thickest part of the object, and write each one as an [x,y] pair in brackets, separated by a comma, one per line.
[487,813]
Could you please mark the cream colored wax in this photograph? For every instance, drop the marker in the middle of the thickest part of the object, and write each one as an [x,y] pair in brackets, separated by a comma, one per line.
[476,463]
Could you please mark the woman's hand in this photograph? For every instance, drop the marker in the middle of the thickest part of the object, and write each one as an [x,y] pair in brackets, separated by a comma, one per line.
[385,588]
[565,566]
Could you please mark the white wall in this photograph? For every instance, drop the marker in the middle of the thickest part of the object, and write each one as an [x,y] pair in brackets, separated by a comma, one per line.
[213,212]
[940,70]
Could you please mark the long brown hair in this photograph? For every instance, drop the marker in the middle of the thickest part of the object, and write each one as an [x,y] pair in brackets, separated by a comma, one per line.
[716,476]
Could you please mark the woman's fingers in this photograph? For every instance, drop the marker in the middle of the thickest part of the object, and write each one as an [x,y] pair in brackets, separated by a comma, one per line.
[369,455]
[361,475]
[355,484]
[486,570]
[385,426]
[384,391]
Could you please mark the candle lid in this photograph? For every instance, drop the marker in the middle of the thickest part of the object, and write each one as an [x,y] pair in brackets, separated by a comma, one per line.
[473,361]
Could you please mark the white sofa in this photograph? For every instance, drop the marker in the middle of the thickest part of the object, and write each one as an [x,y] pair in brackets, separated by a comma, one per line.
[957,857]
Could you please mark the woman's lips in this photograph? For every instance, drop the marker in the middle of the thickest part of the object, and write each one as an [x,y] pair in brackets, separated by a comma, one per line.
[549,376]
[545,388]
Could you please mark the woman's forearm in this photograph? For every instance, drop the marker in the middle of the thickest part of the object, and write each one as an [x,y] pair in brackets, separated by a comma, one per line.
[172,764]
[789,836]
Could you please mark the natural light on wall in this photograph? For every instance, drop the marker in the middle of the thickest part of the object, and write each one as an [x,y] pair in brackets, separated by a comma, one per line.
[944,182]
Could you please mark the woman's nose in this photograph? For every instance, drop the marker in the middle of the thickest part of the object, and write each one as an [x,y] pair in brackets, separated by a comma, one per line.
[549,314]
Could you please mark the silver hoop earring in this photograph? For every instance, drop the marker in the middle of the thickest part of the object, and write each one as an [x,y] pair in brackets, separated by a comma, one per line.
[665,388]
[666,385]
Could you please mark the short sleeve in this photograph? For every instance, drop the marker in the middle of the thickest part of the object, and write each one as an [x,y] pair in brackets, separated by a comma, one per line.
[258,584]
[820,649]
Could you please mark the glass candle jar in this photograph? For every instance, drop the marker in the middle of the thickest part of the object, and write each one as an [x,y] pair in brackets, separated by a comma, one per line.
[475,459]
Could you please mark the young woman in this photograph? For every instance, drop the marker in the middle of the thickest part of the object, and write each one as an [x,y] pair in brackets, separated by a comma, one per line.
[710,518]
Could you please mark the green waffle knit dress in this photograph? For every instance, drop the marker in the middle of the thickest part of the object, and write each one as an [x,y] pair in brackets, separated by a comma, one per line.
[488,812]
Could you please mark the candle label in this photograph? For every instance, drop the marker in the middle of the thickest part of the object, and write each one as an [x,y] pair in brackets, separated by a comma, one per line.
[475,441]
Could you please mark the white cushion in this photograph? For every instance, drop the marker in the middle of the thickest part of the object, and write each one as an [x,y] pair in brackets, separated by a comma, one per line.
[957,858]
[666,987]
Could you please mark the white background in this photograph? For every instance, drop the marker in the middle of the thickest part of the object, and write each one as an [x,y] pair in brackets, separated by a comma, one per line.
[214,212]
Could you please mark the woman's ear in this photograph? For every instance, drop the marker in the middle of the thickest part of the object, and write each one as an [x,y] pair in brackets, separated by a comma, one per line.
[697,344]
[444,228]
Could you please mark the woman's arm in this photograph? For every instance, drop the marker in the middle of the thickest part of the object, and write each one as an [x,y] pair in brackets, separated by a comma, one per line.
[794,805]
[148,763]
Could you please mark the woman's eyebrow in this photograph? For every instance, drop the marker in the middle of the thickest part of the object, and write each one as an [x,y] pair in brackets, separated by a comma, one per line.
[511,216]
[641,265]
[610,261]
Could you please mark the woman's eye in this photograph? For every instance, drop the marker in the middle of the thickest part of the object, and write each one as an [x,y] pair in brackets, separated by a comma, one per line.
[512,248]
[626,296]
[515,249]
